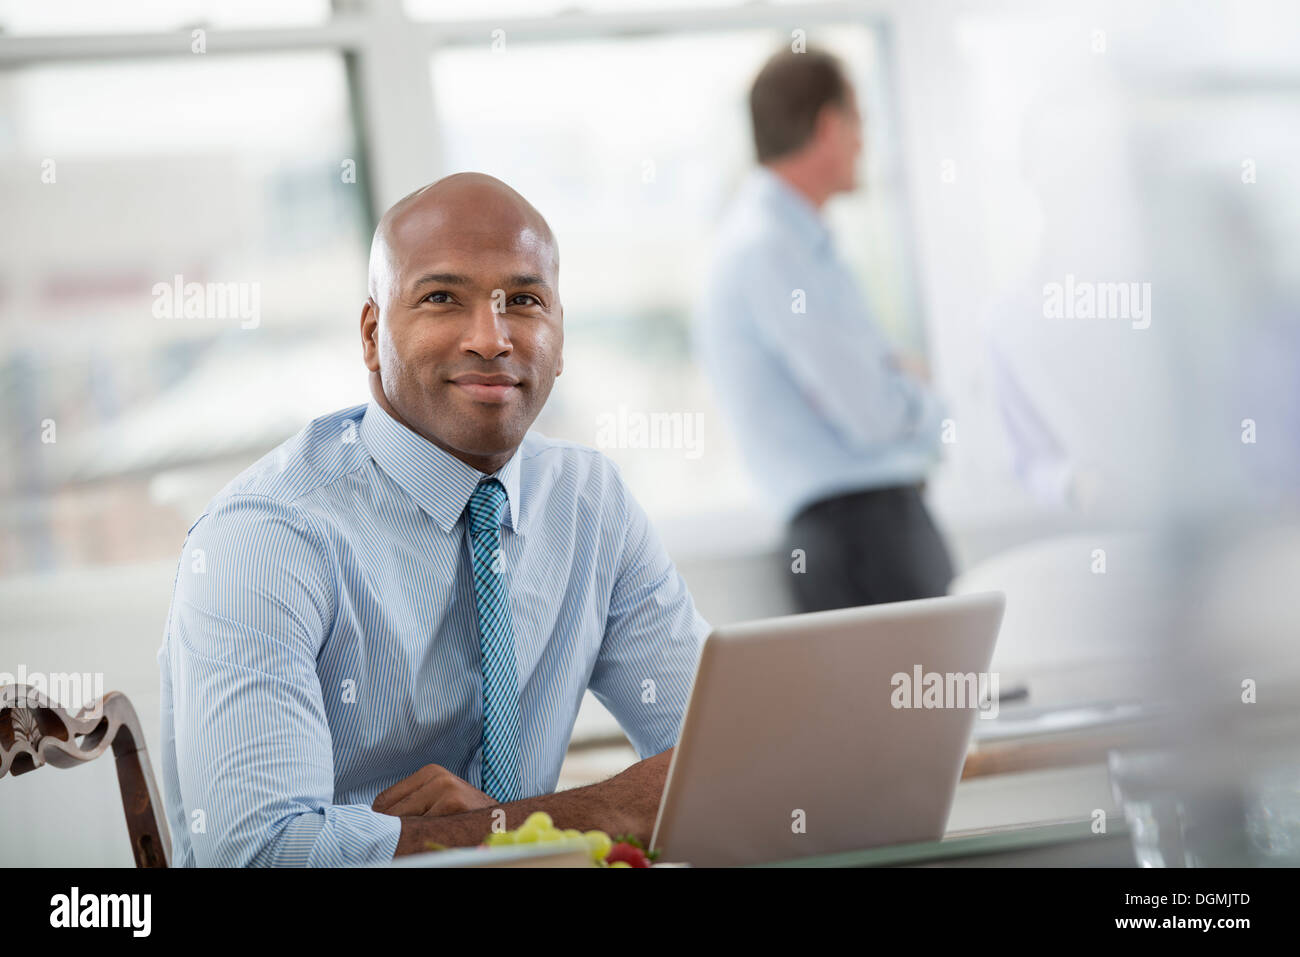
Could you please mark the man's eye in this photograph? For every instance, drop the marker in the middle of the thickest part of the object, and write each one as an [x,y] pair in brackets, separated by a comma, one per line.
[525,295]
[434,297]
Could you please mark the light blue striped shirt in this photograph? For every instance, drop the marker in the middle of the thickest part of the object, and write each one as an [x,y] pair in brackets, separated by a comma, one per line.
[797,362]
[322,642]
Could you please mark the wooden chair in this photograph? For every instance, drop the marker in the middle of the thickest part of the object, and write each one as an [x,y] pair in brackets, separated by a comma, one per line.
[34,732]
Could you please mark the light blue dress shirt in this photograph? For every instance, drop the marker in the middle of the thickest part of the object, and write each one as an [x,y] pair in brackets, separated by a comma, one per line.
[322,642]
[797,362]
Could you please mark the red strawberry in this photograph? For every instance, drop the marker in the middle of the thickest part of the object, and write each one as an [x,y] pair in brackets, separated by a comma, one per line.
[628,853]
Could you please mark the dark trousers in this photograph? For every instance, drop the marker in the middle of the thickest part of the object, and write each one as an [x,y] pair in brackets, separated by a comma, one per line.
[864,548]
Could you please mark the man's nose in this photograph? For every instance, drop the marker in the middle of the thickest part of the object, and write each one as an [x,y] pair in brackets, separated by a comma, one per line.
[488,334]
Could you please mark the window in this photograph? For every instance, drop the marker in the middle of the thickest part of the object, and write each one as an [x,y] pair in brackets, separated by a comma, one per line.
[125,175]
[23,17]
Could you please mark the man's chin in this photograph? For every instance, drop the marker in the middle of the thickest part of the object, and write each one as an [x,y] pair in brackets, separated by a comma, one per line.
[486,439]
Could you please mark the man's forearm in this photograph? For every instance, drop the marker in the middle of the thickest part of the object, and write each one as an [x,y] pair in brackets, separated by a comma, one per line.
[625,804]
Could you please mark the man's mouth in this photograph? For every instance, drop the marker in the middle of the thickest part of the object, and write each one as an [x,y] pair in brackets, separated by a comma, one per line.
[487,388]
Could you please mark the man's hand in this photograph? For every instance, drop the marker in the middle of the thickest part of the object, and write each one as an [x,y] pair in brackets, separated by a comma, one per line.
[431,791]
[625,804]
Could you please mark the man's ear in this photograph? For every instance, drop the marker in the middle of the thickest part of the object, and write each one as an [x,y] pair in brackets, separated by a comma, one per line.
[827,117]
[370,334]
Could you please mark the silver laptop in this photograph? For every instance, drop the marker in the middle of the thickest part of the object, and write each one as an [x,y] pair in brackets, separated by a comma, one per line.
[827,732]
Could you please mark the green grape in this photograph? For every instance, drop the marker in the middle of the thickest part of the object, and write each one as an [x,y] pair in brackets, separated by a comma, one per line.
[540,820]
[528,835]
[599,843]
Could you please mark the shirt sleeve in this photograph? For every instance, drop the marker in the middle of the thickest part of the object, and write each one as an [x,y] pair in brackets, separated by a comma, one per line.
[832,350]
[653,637]
[252,604]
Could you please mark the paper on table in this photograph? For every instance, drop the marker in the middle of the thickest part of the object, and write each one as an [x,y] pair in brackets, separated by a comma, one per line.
[1022,722]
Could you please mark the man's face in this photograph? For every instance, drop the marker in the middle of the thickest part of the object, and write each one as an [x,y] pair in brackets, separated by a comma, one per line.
[845,143]
[466,336]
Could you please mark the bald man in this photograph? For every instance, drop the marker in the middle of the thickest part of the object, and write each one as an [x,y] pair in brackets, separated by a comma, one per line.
[381,632]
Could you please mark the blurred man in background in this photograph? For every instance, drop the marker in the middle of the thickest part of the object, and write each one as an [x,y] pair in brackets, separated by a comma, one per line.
[838,430]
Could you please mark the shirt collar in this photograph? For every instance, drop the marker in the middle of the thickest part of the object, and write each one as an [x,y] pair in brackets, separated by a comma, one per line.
[440,483]
[793,208]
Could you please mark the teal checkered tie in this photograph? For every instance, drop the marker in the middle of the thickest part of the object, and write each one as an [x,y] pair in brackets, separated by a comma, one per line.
[501,719]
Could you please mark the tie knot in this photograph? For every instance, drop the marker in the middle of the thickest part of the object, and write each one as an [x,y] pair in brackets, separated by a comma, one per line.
[485,507]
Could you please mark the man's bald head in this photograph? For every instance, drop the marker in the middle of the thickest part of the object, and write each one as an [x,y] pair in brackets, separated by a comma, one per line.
[463,329]
[463,201]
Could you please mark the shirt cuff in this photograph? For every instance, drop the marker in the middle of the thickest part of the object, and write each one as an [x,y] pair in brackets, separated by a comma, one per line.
[341,835]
